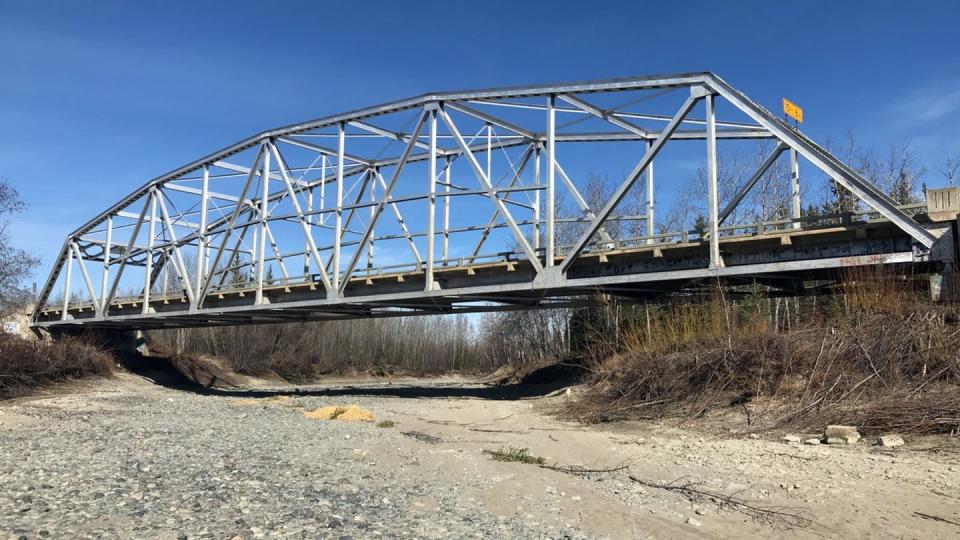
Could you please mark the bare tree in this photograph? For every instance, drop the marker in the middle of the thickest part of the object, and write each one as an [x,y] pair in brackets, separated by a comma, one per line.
[766,201]
[901,176]
[15,264]
[950,169]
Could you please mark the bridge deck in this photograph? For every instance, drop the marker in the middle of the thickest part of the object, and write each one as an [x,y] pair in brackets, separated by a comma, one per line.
[785,257]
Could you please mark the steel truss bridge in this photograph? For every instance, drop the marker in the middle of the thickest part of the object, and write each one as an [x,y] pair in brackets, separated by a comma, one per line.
[452,202]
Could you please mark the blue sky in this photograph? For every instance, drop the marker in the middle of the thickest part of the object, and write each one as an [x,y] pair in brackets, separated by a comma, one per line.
[96,98]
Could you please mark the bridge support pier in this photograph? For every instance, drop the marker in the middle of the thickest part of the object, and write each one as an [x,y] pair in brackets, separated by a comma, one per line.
[942,285]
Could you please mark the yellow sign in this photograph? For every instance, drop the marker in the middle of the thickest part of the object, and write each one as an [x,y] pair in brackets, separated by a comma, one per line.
[790,109]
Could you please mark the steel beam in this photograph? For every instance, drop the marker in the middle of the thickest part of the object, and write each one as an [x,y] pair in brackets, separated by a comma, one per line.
[712,190]
[432,201]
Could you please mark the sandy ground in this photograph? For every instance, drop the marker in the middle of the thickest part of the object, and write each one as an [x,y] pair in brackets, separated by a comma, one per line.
[444,429]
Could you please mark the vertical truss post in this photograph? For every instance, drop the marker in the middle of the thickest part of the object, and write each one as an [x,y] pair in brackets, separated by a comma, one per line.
[264,211]
[66,282]
[551,175]
[338,218]
[372,210]
[163,275]
[715,261]
[445,253]
[254,258]
[105,278]
[323,188]
[202,233]
[431,200]
[148,273]
[536,197]
[649,231]
[309,218]
[490,152]
[795,209]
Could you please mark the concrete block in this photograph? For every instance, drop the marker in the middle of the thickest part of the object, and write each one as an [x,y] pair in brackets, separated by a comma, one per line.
[841,435]
[890,441]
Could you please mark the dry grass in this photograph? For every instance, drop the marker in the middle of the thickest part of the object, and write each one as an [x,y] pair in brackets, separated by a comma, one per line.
[515,455]
[878,357]
[29,364]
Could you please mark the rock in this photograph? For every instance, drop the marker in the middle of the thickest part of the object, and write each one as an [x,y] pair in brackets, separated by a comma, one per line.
[890,441]
[753,436]
[811,441]
[791,439]
[841,435]
[694,522]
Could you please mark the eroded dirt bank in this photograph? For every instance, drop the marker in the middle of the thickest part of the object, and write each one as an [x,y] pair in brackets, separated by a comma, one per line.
[126,458]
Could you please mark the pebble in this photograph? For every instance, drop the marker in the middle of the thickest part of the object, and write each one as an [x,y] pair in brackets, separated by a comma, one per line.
[149,466]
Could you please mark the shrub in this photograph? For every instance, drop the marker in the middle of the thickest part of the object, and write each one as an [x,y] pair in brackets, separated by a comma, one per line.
[877,357]
[26,364]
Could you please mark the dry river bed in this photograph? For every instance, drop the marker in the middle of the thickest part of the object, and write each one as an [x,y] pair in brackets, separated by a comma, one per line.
[124,458]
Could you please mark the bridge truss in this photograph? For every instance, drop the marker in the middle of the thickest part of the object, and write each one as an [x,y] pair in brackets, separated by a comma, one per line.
[450,202]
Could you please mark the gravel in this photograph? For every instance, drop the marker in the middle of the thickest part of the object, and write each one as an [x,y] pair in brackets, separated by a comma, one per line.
[191,466]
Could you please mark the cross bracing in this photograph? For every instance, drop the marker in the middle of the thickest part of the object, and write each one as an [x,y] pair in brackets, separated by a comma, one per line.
[451,202]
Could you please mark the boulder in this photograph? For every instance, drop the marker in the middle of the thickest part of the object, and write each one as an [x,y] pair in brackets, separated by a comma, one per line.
[791,439]
[841,435]
[812,441]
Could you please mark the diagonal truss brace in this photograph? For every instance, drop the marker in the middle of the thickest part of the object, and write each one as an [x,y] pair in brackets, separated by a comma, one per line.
[229,227]
[378,210]
[605,115]
[482,176]
[742,192]
[695,96]
[496,211]
[304,226]
[822,159]
[400,221]
[178,265]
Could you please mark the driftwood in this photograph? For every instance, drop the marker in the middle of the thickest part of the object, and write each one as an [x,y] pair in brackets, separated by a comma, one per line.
[777,517]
